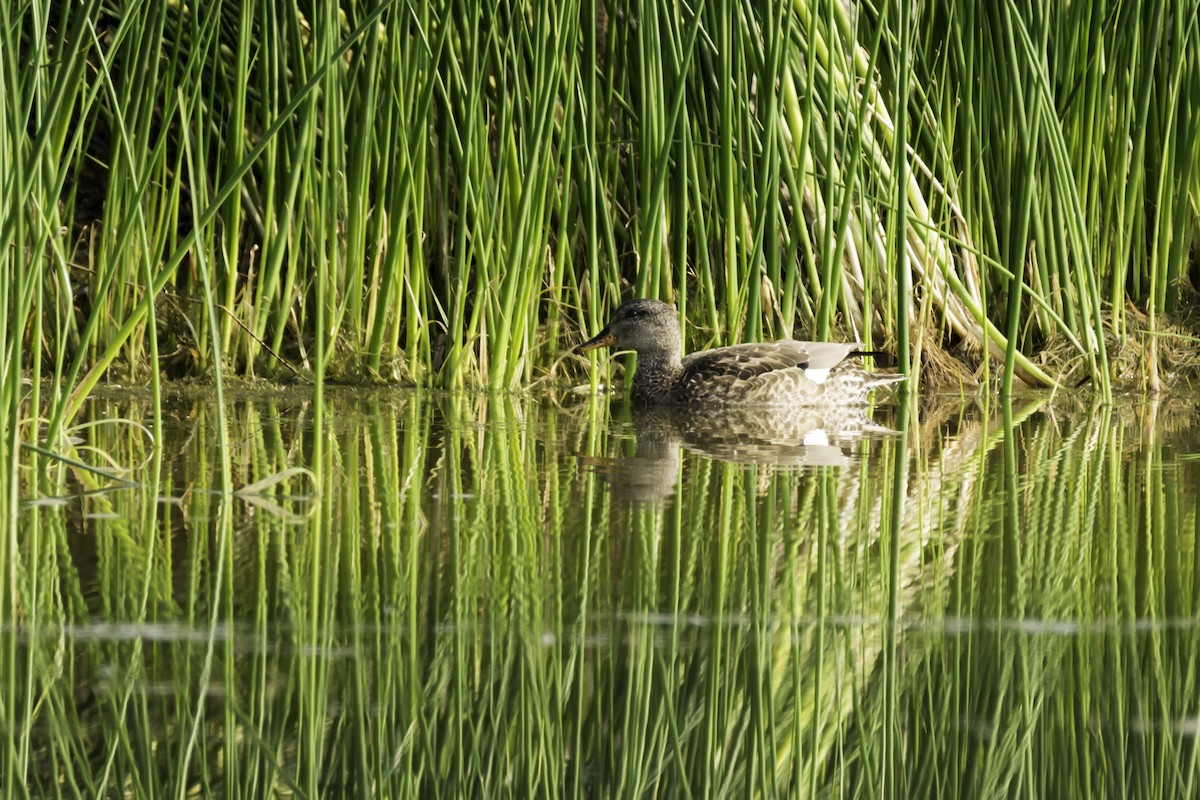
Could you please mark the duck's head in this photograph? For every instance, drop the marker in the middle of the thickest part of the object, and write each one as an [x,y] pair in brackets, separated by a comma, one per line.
[646,326]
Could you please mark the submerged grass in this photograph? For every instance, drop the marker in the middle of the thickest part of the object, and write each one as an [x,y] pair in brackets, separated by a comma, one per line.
[442,193]
[461,603]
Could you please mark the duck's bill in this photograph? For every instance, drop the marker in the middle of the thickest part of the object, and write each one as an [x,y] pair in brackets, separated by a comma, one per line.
[602,339]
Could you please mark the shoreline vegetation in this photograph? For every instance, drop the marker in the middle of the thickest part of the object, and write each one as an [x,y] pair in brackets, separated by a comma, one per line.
[453,195]
[218,585]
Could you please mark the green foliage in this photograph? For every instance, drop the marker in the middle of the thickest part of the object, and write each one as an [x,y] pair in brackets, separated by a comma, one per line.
[448,193]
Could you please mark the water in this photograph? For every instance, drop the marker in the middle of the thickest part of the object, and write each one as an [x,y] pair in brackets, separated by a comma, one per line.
[466,596]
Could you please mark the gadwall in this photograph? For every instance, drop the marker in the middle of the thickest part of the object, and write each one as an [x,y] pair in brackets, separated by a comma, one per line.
[782,373]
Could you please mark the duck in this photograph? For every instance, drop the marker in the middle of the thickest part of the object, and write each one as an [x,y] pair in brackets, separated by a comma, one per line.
[781,373]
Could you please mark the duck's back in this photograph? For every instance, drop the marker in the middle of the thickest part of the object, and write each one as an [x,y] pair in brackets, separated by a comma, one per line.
[771,373]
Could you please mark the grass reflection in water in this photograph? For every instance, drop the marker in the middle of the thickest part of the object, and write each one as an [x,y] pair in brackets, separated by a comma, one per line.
[472,596]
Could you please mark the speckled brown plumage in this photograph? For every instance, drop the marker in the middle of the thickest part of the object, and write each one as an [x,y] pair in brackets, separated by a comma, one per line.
[786,372]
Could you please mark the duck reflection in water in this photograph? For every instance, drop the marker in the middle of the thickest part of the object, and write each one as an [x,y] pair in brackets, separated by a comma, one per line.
[790,438]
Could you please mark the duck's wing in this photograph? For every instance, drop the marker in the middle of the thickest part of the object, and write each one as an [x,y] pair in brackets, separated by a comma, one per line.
[760,357]
[766,372]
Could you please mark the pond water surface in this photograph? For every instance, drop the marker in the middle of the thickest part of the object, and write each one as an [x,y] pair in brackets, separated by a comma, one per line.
[410,594]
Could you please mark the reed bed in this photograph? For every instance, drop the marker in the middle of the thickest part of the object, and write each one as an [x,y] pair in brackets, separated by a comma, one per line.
[448,194]
[456,600]
[440,600]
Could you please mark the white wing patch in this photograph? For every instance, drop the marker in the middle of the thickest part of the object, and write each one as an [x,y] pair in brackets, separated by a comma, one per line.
[815,437]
